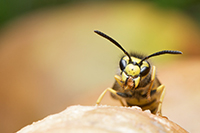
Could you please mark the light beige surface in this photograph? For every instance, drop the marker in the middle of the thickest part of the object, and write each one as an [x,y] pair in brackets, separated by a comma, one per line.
[103,119]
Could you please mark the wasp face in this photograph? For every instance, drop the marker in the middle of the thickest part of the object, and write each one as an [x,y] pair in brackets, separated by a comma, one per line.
[133,69]
[132,72]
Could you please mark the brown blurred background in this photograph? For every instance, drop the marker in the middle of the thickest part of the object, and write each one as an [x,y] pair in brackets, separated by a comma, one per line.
[50,57]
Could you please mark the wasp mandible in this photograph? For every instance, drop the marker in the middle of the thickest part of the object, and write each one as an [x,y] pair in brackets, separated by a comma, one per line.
[137,83]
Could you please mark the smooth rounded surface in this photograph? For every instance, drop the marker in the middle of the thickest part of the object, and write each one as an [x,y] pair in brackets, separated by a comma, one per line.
[109,119]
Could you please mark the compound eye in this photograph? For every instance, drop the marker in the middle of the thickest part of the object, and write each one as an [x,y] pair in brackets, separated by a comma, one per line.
[122,64]
[144,71]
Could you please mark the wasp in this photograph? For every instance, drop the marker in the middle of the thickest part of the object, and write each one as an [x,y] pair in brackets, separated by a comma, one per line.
[137,83]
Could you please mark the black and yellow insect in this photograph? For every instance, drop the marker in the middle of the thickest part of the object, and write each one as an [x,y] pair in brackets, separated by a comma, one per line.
[137,82]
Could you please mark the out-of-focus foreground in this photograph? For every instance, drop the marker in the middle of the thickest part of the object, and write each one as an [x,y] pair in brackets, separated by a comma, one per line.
[51,58]
[109,119]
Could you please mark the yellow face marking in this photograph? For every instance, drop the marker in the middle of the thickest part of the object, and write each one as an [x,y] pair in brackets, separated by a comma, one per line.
[132,70]
[136,69]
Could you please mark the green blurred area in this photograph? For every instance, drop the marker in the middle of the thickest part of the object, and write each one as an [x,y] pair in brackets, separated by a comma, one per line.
[10,9]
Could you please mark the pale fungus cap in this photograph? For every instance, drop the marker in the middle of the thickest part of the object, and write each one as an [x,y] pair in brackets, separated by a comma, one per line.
[103,119]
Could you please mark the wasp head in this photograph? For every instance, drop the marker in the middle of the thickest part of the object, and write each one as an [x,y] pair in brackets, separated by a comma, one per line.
[132,72]
[133,69]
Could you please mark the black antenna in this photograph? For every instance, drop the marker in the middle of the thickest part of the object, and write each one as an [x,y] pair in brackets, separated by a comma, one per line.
[113,41]
[159,53]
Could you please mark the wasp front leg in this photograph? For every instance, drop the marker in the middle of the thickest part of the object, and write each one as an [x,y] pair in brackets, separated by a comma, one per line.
[113,92]
[153,74]
[161,90]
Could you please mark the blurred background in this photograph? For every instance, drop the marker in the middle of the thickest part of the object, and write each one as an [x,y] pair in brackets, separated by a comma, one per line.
[50,58]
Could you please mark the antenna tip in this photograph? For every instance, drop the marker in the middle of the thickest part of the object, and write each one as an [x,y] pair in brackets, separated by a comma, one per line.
[178,52]
[100,33]
[96,31]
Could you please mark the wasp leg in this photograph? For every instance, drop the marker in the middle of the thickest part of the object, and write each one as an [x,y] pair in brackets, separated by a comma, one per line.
[151,84]
[160,89]
[113,92]
[119,80]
